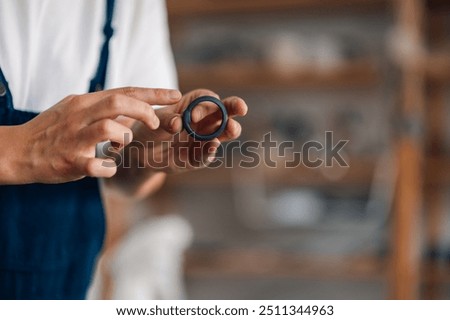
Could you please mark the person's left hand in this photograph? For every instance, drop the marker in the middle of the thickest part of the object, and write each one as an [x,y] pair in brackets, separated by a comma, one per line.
[170,149]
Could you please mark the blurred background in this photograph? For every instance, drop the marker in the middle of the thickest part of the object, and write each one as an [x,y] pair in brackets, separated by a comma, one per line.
[374,72]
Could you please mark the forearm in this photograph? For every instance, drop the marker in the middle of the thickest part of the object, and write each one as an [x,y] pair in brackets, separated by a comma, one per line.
[16,167]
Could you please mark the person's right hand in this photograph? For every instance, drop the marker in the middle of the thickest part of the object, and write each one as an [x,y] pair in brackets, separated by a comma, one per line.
[59,144]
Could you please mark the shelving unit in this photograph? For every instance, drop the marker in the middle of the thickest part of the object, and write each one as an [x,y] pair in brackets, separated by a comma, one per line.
[417,171]
[358,175]
[260,263]
[196,8]
[251,76]
[438,68]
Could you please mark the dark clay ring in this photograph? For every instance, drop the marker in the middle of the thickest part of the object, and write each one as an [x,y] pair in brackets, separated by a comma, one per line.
[187,119]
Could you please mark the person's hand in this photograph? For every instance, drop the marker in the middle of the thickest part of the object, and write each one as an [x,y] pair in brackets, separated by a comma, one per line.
[59,145]
[170,149]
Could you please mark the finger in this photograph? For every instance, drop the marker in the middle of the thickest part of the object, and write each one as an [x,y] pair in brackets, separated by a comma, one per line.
[235,106]
[128,122]
[232,131]
[204,108]
[194,94]
[148,95]
[203,156]
[119,105]
[95,167]
[211,150]
[170,121]
[212,122]
[181,146]
[107,129]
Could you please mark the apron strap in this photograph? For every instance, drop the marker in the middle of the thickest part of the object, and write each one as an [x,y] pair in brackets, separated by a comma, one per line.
[6,100]
[98,82]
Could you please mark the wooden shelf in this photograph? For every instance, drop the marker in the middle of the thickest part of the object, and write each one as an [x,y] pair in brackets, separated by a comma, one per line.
[438,67]
[250,76]
[359,174]
[274,263]
[197,8]
[251,263]
[437,173]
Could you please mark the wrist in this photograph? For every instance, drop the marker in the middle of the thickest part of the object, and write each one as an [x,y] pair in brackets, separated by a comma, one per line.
[16,165]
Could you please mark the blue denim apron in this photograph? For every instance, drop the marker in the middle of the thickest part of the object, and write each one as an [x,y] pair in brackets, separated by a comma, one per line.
[50,235]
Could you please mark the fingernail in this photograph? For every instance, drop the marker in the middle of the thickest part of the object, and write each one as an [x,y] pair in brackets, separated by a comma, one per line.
[175,95]
[155,122]
[172,123]
[211,158]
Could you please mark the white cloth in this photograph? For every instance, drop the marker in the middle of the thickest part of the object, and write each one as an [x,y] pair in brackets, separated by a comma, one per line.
[147,264]
[50,48]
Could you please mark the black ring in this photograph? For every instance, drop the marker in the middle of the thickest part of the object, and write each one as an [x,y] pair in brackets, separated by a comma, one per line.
[187,119]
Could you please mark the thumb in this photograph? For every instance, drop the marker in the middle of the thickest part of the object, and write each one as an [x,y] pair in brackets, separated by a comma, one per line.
[96,167]
[169,121]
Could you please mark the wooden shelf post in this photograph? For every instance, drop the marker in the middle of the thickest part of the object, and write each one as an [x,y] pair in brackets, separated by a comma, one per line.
[408,202]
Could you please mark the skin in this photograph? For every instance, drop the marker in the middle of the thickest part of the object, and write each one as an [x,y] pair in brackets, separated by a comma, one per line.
[181,152]
[59,145]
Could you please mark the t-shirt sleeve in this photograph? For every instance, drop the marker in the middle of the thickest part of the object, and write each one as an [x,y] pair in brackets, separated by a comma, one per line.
[141,53]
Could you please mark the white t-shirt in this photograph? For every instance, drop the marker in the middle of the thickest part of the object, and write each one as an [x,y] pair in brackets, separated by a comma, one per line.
[50,48]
